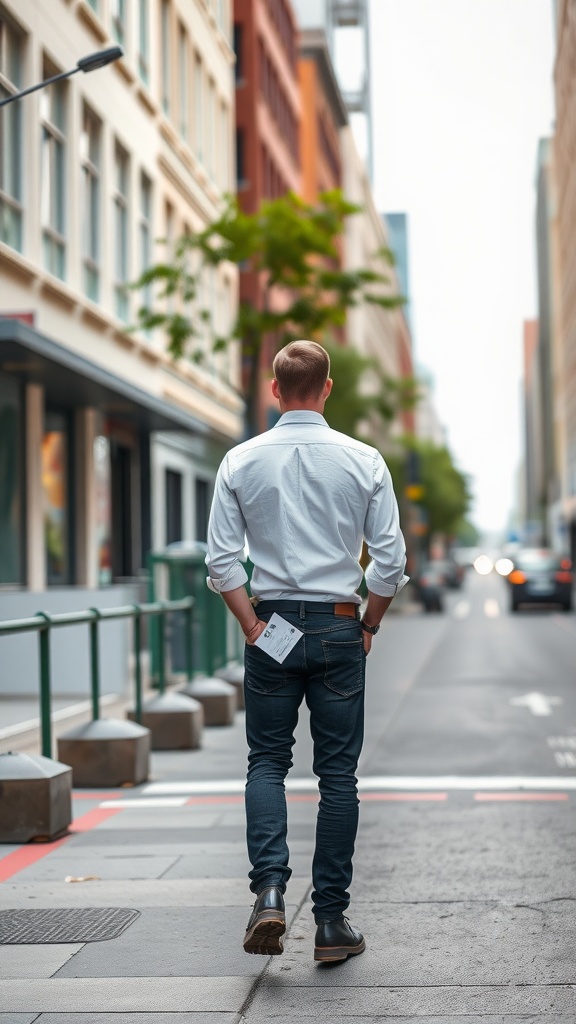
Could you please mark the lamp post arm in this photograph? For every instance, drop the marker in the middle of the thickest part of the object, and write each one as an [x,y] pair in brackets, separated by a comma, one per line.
[90,63]
[40,85]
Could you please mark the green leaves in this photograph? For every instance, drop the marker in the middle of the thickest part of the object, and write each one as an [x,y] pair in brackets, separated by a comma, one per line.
[294,247]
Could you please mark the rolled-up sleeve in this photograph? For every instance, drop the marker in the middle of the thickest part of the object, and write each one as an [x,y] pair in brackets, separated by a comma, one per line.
[226,537]
[385,573]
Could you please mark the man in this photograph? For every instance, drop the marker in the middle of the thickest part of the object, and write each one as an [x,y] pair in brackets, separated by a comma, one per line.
[304,497]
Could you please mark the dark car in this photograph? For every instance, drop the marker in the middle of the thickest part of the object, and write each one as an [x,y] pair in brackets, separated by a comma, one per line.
[540,576]
[452,572]
[430,583]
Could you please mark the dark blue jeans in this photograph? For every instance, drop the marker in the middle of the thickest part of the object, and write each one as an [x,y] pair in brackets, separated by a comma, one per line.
[327,667]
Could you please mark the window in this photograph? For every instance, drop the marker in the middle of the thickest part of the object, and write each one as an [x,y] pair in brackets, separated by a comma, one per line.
[118,14]
[123,509]
[146,231]
[103,508]
[183,79]
[55,495]
[198,109]
[53,173]
[173,495]
[90,206]
[239,66]
[143,41]
[224,148]
[121,251]
[166,63]
[240,159]
[11,491]
[11,212]
[201,506]
[211,130]
[169,255]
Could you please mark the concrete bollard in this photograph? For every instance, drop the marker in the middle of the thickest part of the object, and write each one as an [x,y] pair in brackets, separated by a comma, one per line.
[175,721]
[106,752]
[217,698]
[35,798]
[233,673]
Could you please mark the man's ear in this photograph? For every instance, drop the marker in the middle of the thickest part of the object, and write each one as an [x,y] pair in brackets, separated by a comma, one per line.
[275,389]
[328,387]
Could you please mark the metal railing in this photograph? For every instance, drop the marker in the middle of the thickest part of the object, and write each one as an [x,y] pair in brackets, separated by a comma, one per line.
[43,623]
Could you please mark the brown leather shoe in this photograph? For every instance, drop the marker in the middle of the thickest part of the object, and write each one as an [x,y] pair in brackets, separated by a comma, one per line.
[337,940]
[267,924]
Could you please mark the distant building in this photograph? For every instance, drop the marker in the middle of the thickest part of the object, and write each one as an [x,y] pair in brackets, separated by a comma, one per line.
[397,229]
[323,115]
[345,23]
[381,334]
[565,267]
[533,429]
[268,115]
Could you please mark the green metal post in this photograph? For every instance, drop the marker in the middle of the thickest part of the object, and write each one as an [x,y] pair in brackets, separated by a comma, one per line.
[137,661]
[188,644]
[95,665]
[161,650]
[45,688]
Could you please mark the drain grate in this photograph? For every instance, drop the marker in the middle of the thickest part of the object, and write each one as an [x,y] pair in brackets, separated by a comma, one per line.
[82,924]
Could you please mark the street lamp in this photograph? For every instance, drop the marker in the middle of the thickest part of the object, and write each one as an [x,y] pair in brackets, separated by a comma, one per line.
[90,63]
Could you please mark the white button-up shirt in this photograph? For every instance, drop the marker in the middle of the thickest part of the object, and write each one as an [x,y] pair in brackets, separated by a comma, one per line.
[302,497]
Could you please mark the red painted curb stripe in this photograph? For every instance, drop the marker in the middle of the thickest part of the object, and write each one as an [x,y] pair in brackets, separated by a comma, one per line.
[30,853]
[520,796]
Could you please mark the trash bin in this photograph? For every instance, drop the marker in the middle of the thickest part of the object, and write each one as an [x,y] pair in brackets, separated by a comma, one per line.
[180,571]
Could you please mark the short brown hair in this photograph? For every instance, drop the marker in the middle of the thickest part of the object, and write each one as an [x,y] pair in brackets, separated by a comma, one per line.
[301,369]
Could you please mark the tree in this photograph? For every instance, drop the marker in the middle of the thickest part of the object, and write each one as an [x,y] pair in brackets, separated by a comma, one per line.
[445,494]
[364,400]
[293,247]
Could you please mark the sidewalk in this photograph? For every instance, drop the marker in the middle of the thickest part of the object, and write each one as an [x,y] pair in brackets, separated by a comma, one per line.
[466,900]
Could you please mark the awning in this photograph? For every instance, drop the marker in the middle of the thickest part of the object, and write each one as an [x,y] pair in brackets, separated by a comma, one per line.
[72,381]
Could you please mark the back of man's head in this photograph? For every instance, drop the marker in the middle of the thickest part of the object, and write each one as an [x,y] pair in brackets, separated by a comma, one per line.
[301,369]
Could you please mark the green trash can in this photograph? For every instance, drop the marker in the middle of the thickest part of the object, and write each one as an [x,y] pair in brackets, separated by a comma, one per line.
[180,571]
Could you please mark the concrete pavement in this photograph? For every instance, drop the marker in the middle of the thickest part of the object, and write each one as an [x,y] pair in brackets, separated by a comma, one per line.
[465,893]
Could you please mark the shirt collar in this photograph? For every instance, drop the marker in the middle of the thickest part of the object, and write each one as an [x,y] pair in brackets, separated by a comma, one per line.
[301,416]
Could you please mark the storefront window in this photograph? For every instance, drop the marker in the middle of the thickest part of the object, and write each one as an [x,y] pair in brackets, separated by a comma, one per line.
[55,498]
[11,526]
[103,485]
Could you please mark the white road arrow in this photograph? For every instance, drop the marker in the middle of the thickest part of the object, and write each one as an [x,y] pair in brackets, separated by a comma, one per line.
[537,703]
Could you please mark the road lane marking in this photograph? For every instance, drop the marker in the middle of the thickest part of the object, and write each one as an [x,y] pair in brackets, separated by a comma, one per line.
[384,783]
[491,608]
[520,796]
[565,758]
[461,609]
[538,703]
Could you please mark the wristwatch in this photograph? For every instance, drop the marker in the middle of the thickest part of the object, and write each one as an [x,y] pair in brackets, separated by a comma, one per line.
[369,629]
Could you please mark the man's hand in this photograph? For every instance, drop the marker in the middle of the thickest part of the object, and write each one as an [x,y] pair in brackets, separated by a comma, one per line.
[258,628]
[367,641]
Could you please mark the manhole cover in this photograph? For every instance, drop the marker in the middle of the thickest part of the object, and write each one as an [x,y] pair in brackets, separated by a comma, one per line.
[83,924]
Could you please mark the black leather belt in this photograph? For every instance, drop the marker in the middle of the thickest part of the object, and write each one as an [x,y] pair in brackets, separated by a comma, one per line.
[345,608]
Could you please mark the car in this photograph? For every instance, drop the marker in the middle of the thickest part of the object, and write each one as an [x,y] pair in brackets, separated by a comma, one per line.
[540,576]
[452,572]
[429,584]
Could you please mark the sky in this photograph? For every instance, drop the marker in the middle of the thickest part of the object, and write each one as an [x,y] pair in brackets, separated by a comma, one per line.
[462,90]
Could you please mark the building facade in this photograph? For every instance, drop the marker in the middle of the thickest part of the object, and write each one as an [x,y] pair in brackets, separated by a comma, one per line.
[563,159]
[268,111]
[109,448]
